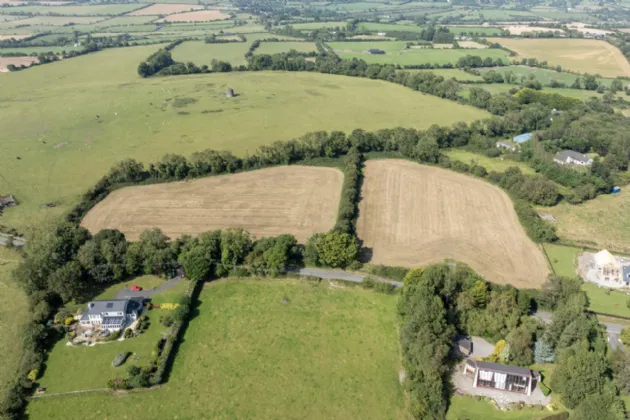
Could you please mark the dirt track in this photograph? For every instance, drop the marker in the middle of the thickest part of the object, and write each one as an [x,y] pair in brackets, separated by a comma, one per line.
[300,200]
[413,215]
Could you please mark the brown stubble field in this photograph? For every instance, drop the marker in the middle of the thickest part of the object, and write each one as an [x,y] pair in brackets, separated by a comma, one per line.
[198,16]
[164,9]
[412,215]
[299,200]
[581,55]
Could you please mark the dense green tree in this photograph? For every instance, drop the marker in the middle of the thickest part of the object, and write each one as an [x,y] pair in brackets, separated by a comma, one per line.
[235,245]
[333,249]
[543,352]
[579,375]
[67,281]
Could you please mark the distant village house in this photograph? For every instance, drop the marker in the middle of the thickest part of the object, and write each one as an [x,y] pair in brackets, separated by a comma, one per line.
[375,51]
[569,157]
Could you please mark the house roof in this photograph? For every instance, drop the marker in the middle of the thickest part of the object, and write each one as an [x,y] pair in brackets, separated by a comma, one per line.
[496,367]
[506,144]
[605,258]
[565,154]
[522,138]
[97,307]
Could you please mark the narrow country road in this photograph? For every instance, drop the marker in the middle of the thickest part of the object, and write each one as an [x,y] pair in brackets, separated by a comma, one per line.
[342,275]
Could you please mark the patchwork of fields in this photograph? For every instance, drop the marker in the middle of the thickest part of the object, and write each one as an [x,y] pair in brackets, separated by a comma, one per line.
[54,152]
[328,353]
[412,215]
[299,200]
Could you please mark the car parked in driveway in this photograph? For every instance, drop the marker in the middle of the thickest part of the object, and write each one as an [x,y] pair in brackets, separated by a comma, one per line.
[135,288]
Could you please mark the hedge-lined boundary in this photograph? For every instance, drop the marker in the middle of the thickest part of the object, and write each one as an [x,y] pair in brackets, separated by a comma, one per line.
[350,192]
[172,342]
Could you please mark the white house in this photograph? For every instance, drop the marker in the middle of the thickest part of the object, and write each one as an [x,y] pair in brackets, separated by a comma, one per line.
[501,377]
[506,145]
[111,315]
[569,157]
[610,271]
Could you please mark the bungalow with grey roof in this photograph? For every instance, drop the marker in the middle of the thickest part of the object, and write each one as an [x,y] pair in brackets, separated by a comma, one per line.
[501,377]
[572,158]
[506,145]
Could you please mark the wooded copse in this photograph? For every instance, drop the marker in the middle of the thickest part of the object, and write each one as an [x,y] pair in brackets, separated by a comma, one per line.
[442,300]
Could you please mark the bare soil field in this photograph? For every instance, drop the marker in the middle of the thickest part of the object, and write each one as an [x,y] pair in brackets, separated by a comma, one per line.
[164,9]
[198,16]
[17,61]
[412,215]
[300,200]
[583,55]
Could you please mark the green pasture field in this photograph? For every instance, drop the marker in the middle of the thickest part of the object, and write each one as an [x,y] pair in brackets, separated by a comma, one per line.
[505,87]
[456,74]
[491,164]
[563,259]
[317,25]
[412,56]
[206,26]
[37,50]
[13,315]
[267,35]
[65,153]
[280,47]
[599,223]
[505,15]
[125,21]
[52,21]
[328,353]
[544,76]
[7,18]
[124,29]
[385,27]
[95,10]
[481,30]
[247,29]
[201,53]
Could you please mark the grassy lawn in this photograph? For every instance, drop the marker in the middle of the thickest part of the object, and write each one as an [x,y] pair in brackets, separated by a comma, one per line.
[467,408]
[563,259]
[599,223]
[13,315]
[64,362]
[78,368]
[328,353]
[613,303]
[63,148]
[456,74]
[491,164]
[280,47]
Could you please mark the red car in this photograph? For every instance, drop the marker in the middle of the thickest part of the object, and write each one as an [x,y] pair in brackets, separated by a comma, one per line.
[135,288]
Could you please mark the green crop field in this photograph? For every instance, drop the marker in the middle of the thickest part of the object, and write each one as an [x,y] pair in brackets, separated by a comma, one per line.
[491,164]
[56,147]
[13,315]
[544,76]
[329,353]
[481,30]
[599,223]
[604,301]
[201,53]
[411,56]
[280,47]
[563,259]
[96,10]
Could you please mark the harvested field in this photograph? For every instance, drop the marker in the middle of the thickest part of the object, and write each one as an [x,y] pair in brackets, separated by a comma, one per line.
[471,44]
[16,61]
[165,9]
[521,29]
[198,16]
[412,215]
[16,37]
[299,200]
[583,55]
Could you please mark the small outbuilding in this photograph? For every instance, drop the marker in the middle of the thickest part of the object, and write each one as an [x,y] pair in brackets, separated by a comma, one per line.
[463,346]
